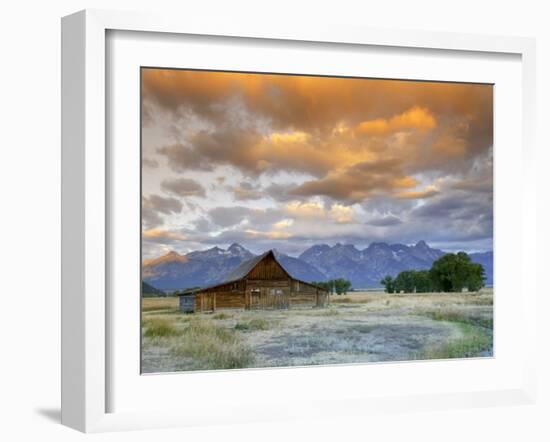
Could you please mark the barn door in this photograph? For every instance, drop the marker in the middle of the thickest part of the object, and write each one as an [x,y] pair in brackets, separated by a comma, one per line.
[255,299]
[207,303]
[277,298]
[269,298]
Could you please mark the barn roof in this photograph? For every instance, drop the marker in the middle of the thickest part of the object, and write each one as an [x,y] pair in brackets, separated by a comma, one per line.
[244,268]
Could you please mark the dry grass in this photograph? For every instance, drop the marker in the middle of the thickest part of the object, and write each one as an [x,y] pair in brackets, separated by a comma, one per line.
[253,324]
[159,328]
[221,316]
[342,300]
[164,303]
[381,301]
[212,347]
[330,311]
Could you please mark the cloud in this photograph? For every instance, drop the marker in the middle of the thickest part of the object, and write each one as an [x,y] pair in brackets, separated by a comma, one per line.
[414,118]
[228,216]
[280,192]
[384,221]
[162,236]
[314,209]
[369,159]
[162,204]
[273,234]
[471,209]
[482,184]
[311,209]
[150,163]
[150,218]
[153,206]
[183,187]
[232,216]
[283,224]
[359,182]
[306,102]
[341,214]
[246,191]
[428,192]
[318,125]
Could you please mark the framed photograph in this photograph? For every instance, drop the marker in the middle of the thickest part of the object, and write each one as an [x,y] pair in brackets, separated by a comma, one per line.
[269,222]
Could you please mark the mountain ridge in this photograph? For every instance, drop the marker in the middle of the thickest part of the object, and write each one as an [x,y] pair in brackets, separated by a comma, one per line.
[364,268]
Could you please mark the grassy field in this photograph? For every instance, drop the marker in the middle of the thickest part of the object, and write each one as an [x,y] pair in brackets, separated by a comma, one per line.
[354,328]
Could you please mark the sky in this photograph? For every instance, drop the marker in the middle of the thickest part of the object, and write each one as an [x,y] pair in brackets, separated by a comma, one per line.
[286,162]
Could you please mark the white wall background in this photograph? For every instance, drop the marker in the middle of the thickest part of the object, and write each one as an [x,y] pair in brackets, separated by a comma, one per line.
[30,216]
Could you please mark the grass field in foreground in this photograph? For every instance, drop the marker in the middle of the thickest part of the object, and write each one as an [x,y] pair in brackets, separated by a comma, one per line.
[354,328]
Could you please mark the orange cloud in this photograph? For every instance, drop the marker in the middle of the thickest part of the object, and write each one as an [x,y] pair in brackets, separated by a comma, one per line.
[283,224]
[420,194]
[163,234]
[342,214]
[415,118]
[274,234]
[305,209]
[306,102]
[312,209]
[329,128]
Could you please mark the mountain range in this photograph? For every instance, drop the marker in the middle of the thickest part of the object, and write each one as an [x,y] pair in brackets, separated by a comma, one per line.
[364,268]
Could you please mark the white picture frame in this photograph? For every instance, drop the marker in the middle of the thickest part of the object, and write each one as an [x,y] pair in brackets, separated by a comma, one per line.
[87,204]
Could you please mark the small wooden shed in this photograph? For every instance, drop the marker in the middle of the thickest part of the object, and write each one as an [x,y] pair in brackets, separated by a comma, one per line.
[259,283]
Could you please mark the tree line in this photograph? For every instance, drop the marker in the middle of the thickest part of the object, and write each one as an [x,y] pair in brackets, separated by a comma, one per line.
[450,273]
[340,286]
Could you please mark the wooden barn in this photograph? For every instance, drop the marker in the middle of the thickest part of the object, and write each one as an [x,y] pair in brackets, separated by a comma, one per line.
[259,283]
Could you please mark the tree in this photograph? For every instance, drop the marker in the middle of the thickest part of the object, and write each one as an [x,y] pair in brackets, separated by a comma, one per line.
[476,278]
[405,281]
[388,283]
[338,286]
[341,286]
[422,281]
[453,272]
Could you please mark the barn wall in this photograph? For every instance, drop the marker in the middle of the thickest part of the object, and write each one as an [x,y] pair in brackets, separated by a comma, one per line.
[205,302]
[301,287]
[231,286]
[251,284]
[303,299]
[230,300]
[322,299]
